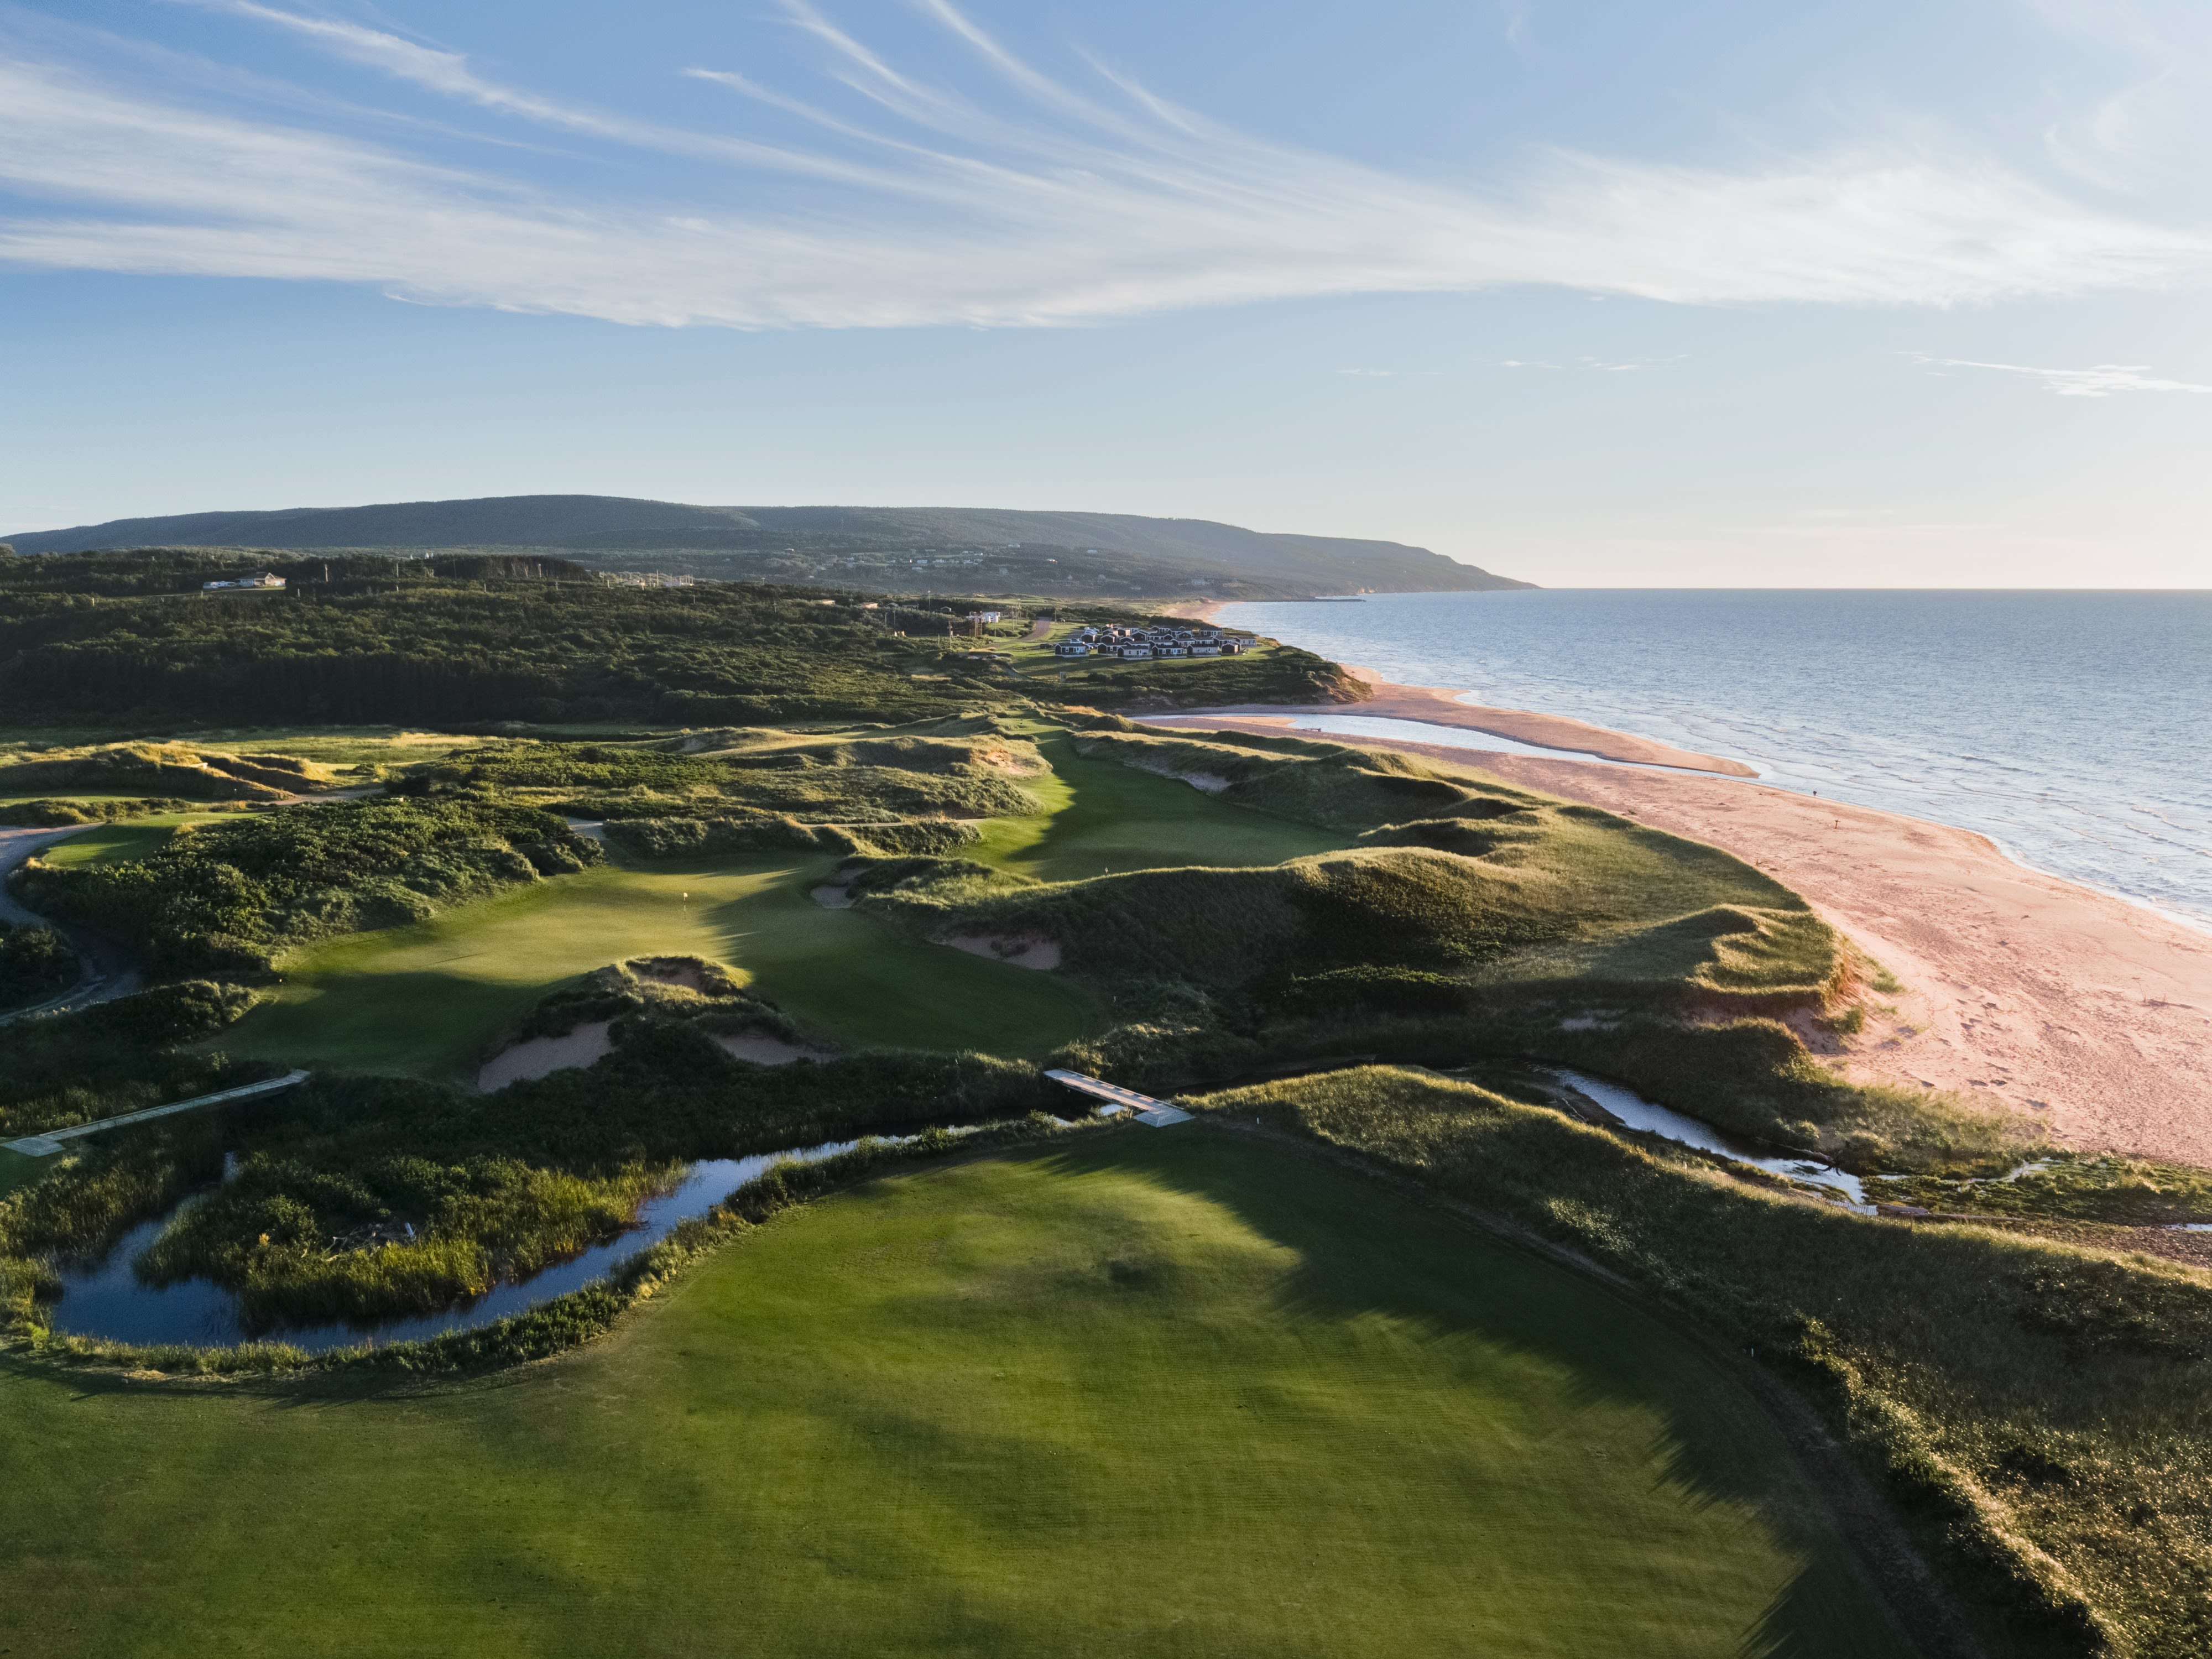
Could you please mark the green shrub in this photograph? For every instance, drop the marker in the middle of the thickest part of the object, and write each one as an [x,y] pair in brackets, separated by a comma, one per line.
[222,898]
[35,963]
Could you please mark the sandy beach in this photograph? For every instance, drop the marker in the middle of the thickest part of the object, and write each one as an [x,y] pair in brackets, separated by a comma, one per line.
[1433,707]
[2093,1014]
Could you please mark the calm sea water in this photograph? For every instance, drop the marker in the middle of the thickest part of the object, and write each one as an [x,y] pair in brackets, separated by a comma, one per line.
[2073,729]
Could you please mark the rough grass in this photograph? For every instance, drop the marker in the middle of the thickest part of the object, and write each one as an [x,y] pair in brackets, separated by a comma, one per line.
[2041,1410]
[2068,1186]
[117,1057]
[161,769]
[1150,1394]
[222,896]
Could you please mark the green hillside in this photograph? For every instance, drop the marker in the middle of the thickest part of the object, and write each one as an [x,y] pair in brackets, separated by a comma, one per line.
[876,549]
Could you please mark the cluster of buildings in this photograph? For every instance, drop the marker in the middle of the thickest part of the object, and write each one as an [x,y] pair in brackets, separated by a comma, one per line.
[1170,640]
[645,579]
[264,580]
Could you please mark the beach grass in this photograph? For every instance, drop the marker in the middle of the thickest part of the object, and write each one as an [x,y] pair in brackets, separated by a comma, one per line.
[2038,1408]
[1153,1394]
[430,999]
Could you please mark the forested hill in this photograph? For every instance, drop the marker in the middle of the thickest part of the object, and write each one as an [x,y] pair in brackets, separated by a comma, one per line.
[872,548]
[469,640]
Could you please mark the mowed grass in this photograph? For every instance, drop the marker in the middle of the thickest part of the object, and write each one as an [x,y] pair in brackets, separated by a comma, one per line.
[121,843]
[1153,1394]
[1102,816]
[429,999]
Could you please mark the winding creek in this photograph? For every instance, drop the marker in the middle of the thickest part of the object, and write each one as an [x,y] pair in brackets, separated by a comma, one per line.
[1634,1112]
[105,1298]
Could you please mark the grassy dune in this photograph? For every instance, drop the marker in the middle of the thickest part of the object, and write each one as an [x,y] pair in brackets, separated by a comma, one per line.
[1157,1394]
[2040,1409]
[1435,865]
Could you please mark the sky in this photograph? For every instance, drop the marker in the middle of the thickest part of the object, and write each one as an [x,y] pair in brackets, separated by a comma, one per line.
[1587,292]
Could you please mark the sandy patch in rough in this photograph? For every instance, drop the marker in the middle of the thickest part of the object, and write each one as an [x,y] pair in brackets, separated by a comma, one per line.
[537,1056]
[589,829]
[2092,1014]
[1210,783]
[1022,950]
[765,1050]
[1419,702]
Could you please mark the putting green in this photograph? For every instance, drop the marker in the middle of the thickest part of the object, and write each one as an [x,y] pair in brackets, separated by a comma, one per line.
[1157,1394]
[428,999]
[121,843]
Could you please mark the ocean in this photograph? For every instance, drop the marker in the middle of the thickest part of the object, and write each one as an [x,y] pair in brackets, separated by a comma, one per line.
[2074,730]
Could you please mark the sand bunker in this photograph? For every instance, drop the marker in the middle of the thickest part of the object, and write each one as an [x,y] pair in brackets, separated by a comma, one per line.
[539,1055]
[1022,950]
[765,1050]
[588,1044]
[830,896]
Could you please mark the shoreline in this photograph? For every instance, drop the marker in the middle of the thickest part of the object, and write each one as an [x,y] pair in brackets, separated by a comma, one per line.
[1433,705]
[2087,1011]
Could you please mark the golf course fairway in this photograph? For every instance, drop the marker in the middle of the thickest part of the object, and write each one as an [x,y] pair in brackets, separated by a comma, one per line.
[428,999]
[1142,1392]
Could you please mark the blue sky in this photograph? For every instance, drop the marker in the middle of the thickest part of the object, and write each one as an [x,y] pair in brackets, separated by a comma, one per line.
[1590,293]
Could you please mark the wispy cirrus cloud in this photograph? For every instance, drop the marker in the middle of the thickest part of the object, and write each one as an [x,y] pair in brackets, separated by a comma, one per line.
[1049,205]
[2102,381]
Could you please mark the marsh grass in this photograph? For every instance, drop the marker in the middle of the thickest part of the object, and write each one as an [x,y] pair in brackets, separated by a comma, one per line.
[2072,1187]
[2039,1410]
[117,1057]
[582,1315]
[330,1177]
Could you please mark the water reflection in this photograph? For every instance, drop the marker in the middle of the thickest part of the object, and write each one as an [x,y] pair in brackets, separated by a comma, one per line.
[105,1298]
[1636,1113]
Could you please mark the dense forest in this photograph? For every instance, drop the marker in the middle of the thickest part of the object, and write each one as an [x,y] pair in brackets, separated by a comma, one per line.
[468,641]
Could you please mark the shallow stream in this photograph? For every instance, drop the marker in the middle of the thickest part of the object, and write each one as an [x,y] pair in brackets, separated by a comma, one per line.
[105,1298]
[1636,1113]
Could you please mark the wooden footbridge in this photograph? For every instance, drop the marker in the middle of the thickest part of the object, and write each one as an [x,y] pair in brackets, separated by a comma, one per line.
[1158,1114]
[47,1145]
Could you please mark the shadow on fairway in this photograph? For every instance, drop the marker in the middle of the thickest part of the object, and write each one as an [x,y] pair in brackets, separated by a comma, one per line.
[1453,1285]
